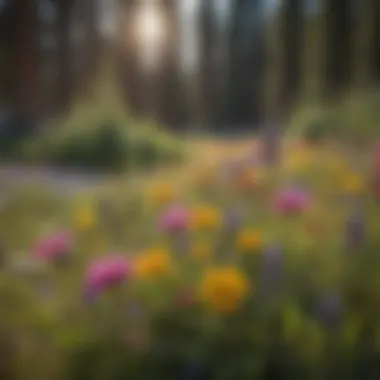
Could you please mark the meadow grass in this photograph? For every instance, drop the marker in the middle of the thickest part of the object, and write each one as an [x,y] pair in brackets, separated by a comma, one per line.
[232,260]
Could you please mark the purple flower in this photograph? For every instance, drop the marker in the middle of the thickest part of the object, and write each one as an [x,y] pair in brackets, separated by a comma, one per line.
[292,200]
[107,272]
[54,247]
[329,310]
[175,219]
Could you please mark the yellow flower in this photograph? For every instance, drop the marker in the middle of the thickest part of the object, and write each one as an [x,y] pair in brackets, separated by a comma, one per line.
[224,289]
[354,184]
[85,218]
[204,217]
[201,252]
[249,240]
[298,160]
[154,263]
[163,193]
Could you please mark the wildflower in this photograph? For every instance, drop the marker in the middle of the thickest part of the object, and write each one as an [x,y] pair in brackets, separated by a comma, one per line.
[54,247]
[201,252]
[163,193]
[249,240]
[329,310]
[106,273]
[175,219]
[292,200]
[224,289]
[206,217]
[353,184]
[154,263]
[85,218]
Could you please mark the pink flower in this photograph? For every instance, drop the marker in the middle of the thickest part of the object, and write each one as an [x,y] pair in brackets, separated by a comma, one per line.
[107,272]
[175,219]
[55,246]
[292,201]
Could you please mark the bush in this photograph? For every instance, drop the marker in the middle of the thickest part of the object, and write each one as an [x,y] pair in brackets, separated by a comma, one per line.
[104,145]
[13,132]
[356,119]
[99,134]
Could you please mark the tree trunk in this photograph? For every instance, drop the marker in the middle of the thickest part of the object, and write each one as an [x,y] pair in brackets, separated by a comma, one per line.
[338,46]
[362,53]
[64,85]
[26,93]
[206,64]
[376,41]
[170,99]
[292,32]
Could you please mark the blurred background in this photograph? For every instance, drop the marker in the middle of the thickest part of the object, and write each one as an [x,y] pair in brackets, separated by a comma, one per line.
[190,64]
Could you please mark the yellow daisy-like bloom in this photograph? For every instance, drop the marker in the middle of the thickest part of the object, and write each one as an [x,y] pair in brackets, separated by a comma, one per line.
[85,218]
[201,252]
[249,241]
[224,289]
[154,263]
[354,184]
[163,193]
[206,217]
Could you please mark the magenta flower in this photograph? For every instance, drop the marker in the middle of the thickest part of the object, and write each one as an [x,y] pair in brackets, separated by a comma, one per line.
[292,200]
[175,219]
[107,272]
[54,247]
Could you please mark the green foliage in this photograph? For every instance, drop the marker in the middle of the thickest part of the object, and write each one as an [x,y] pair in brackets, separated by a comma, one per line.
[98,133]
[143,330]
[355,119]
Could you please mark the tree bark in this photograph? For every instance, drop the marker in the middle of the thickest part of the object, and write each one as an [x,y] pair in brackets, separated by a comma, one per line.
[292,32]
[206,63]
[338,46]
[26,59]
[64,85]
[376,41]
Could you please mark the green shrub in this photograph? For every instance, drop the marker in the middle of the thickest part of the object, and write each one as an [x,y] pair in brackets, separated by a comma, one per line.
[101,135]
[315,123]
[355,119]
[103,145]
